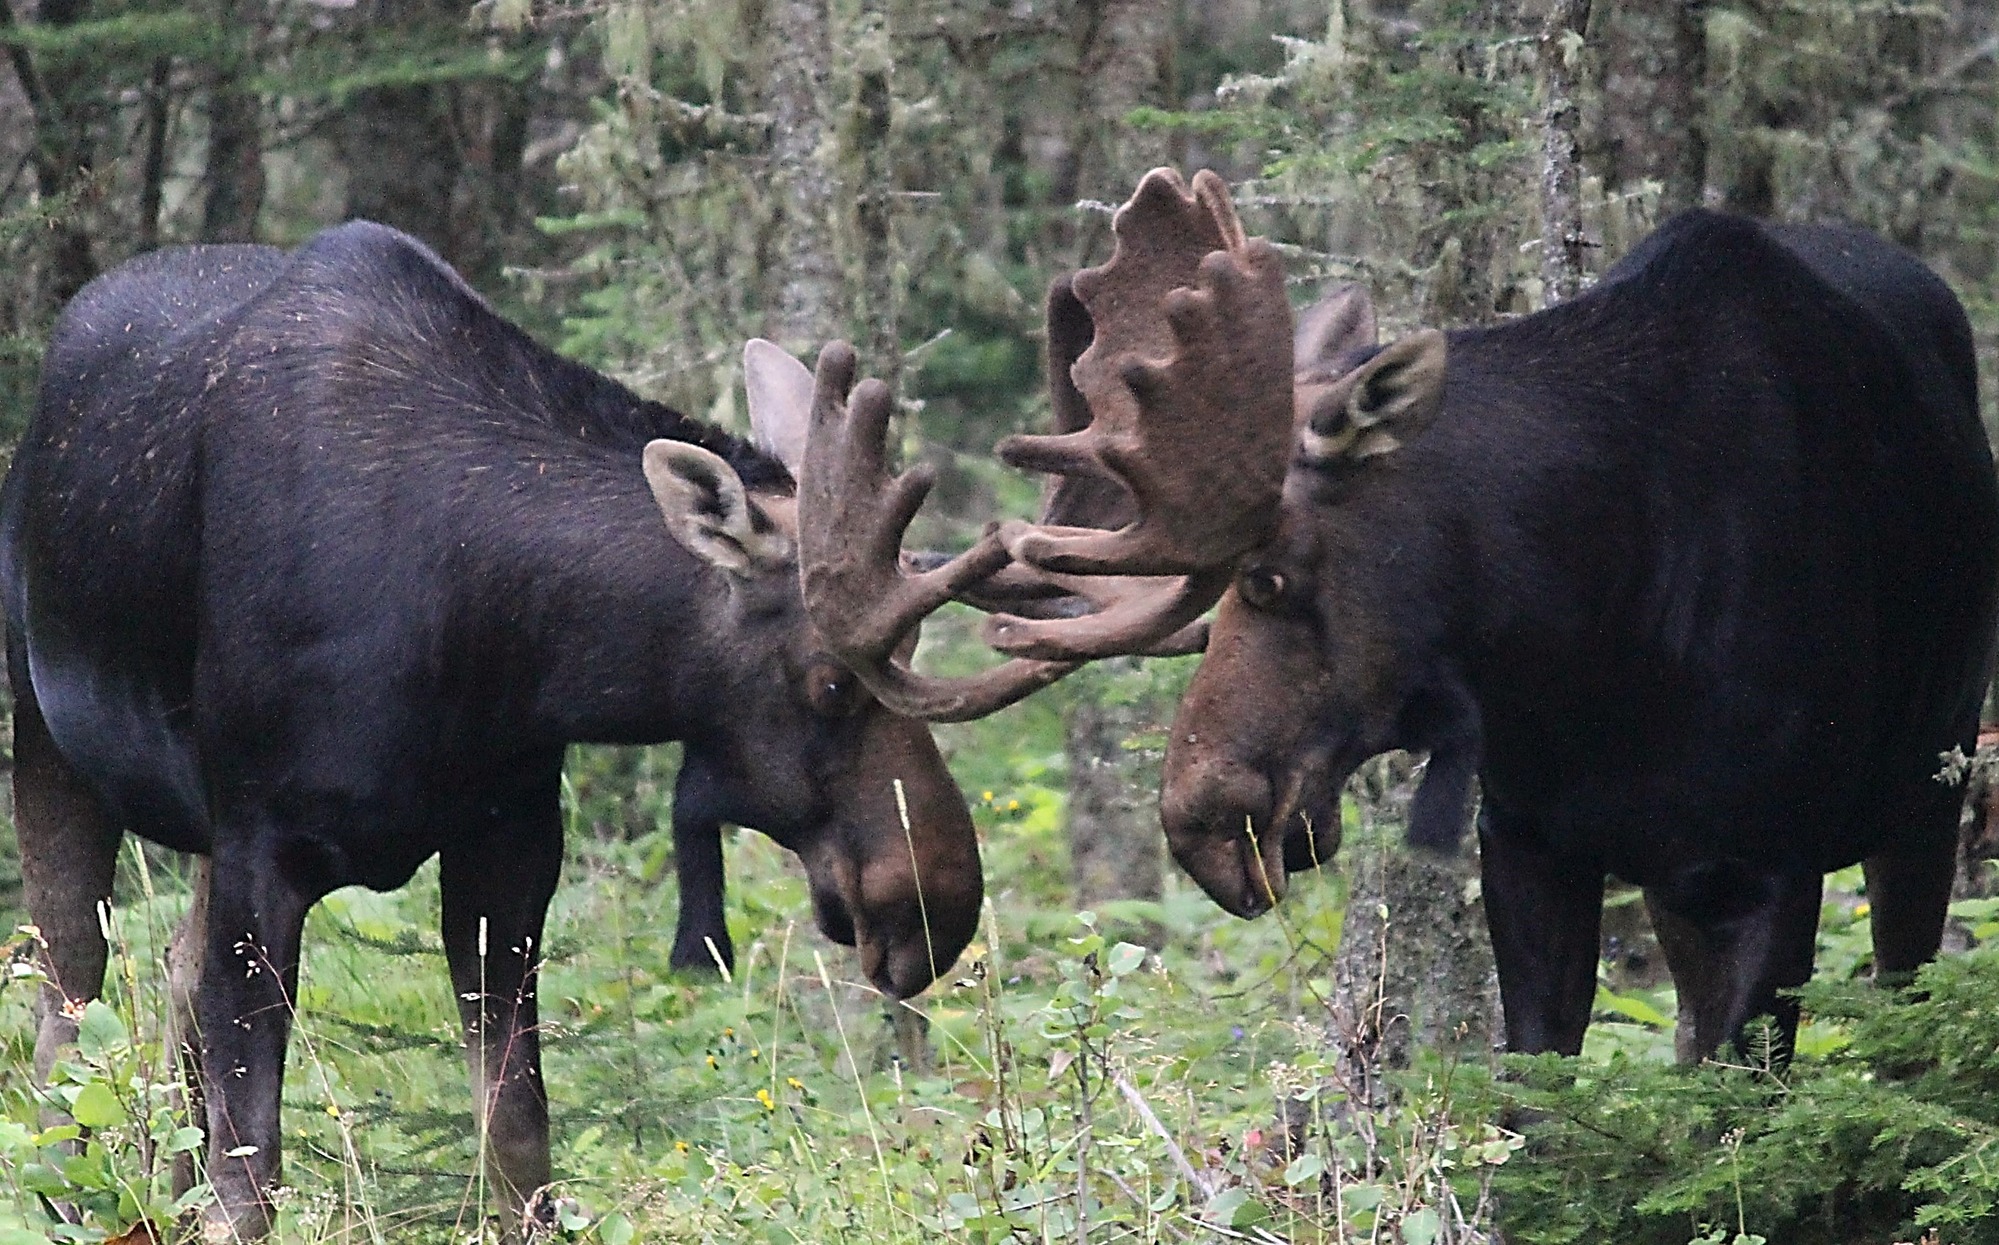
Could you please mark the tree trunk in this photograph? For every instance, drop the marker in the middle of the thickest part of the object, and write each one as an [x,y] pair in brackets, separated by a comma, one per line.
[152,174]
[809,284]
[401,142]
[871,165]
[494,198]
[61,94]
[235,164]
[1115,848]
[1654,119]
[1415,964]
[1562,239]
[1113,831]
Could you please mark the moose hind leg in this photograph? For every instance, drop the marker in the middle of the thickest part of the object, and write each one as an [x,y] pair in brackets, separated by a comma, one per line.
[1908,891]
[497,882]
[69,851]
[244,1005]
[1729,971]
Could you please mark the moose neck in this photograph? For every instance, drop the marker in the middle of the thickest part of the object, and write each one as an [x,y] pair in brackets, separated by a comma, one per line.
[592,623]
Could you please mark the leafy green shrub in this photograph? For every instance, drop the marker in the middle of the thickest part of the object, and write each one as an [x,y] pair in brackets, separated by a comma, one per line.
[1892,1133]
[110,1165]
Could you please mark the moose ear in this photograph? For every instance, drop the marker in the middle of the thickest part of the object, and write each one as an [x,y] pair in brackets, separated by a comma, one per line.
[1387,401]
[780,389]
[1334,331]
[708,511]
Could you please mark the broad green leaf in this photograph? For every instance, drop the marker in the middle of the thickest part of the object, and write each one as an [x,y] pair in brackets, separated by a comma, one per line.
[1124,958]
[1304,1168]
[100,1031]
[97,1107]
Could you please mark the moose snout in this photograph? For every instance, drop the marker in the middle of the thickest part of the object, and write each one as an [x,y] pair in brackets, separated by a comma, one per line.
[1218,818]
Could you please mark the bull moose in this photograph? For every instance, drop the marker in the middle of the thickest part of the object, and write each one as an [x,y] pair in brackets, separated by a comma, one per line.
[1695,574]
[313,564]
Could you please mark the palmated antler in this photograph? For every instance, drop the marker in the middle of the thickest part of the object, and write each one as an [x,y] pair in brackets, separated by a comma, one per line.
[1060,617]
[1188,381]
[851,519]
[1173,427]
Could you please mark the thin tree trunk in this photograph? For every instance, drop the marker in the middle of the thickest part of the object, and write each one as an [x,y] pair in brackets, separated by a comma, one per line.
[1654,69]
[235,166]
[495,197]
[402,143]
[809,284]
[1115,849]
[59,99]
[1562,238]
[873,169]
[153,173]
[1112,828]
[1686,169]
[1415,964]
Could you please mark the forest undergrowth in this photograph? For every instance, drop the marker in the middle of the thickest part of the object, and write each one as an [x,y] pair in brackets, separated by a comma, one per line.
[1073,1085]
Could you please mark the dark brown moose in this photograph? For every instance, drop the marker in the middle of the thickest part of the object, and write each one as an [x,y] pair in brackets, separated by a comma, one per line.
[1694,574]
[313,565]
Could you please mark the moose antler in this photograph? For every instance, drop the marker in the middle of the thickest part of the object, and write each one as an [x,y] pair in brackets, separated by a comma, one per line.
[1172,428]
[1188,383]
[851,519]
[1169,370]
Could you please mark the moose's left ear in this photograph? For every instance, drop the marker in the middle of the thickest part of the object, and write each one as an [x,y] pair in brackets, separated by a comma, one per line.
[708,510]
[1388,400]
[780,390]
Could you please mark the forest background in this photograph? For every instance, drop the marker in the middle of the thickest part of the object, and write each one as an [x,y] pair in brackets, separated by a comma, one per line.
[646,183]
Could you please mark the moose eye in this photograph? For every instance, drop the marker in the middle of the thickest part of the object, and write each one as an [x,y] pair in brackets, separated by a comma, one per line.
[831,689]
[1261,587]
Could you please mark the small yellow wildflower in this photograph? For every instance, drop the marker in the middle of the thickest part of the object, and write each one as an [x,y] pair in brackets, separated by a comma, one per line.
[712,1063]
[987,796]
[680,1146]
[1013,806]
[729,1032]
[1862,909]
[756,1053]
[763,1096]
[333,1110]
[794,1082]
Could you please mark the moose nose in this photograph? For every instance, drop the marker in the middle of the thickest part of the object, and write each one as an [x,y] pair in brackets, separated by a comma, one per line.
[831,914]
[1217,816]
[899,968]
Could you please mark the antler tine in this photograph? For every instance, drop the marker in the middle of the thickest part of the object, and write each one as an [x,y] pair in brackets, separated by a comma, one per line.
[1188,381]
[851,518]
[1150,616]
[1055,617]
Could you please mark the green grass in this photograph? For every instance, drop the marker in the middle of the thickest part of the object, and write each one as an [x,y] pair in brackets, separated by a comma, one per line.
[775,1106]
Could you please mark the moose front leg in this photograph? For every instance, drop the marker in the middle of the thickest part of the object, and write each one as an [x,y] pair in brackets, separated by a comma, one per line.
[697,861]
[249,985]
[496,886]
[1546,915]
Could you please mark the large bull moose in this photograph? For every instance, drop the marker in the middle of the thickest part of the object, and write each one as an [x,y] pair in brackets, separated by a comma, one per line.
[1695,574]
[313,565]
